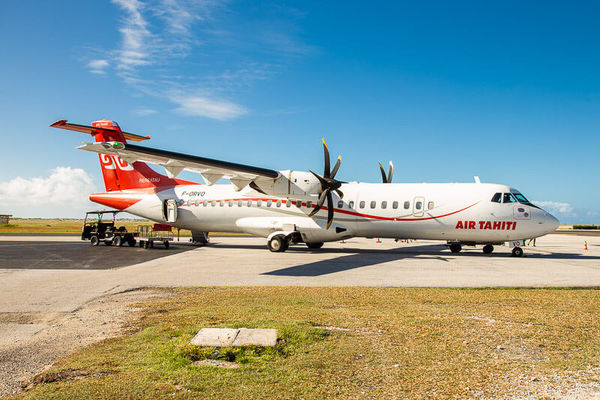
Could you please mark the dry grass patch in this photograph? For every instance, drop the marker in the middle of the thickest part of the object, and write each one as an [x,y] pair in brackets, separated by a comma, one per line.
[349,343]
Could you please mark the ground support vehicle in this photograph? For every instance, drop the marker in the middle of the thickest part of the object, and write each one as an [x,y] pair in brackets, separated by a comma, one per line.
[100,226]
[158,233]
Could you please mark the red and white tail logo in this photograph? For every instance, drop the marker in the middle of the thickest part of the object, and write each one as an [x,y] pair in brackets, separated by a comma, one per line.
[119,174]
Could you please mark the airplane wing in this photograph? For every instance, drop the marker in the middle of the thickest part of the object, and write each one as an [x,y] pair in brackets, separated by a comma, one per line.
[212,170]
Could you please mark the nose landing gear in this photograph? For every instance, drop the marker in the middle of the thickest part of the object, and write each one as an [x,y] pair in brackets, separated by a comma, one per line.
[488,248]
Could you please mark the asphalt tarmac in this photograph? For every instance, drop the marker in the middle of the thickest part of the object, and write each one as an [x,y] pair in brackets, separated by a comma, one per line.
[76,255]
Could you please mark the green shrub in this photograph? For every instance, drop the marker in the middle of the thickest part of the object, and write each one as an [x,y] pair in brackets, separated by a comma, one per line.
[586,226]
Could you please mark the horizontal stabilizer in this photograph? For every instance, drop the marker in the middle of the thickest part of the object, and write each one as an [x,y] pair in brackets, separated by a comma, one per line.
[92,130]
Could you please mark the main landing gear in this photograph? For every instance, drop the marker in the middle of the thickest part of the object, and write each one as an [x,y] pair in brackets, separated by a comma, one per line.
[455,247]
[278,243]
[517,252]
[488,248]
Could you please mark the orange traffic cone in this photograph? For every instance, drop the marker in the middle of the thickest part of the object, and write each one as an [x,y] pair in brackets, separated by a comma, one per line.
[585,245]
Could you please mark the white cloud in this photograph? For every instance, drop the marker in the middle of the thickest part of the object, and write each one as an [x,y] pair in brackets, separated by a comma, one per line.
[65,185]
[156,35]
[144,112]
[555,207]
[135,47]
[98,66]
[206,107]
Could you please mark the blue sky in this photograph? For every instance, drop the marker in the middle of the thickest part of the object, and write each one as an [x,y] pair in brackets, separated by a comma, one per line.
[447,90]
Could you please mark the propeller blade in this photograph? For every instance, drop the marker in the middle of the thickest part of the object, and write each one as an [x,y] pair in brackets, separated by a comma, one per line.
[326,169]
[319,203]
[391,173]
[383,176]
[320,178]
[339,193]
[336,167]
[329,209]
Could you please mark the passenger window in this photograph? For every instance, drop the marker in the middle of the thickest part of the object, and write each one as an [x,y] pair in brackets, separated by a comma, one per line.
[418,205]
[240,203]
[384,204]
[508,198]
[406,205]
[288,203]
[205,203]
[340,204]
[497,198]
[269,203]
[351,204]
[213,203]
[298,204]
[259,203]
[361,204]
[395,205]
[221,203]
[430,205]
[278,203]
[249,203]
[309,204]
[230,203]
[373,204]
[189,203]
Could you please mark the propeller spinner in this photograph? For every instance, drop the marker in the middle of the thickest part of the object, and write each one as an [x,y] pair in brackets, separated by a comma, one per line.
[328,184]
[387,178]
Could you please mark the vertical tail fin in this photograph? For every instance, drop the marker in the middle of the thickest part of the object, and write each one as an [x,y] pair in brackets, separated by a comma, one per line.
[120,175]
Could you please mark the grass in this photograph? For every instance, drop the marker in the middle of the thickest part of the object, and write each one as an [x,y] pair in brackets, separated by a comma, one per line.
[343,343]
[73,226]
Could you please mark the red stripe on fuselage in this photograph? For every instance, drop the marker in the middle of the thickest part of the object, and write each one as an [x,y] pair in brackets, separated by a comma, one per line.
[353,213]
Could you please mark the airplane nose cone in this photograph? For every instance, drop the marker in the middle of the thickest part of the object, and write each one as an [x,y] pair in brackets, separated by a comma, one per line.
[550,222]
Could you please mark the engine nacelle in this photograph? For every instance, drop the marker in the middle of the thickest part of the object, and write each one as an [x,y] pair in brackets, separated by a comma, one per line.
[300,184]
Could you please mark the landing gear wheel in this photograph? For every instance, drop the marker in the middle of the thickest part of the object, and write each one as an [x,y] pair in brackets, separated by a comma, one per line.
[131,242]
[455,248]
[315,245]
[94,240]
[488,248]
[517,252]
[277,244]
[118,241]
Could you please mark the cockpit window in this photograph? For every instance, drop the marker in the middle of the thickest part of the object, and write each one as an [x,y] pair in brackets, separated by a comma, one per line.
[521,198]
[497,198]
[508,198]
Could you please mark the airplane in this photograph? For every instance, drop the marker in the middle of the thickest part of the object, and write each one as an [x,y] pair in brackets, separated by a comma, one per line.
[289,207]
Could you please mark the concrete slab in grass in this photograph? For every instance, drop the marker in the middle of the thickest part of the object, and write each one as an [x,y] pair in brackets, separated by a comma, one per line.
[218,337]
[221,337]
[258,337]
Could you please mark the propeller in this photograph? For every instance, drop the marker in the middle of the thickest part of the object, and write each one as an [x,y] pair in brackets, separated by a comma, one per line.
[388,178]
[328,184]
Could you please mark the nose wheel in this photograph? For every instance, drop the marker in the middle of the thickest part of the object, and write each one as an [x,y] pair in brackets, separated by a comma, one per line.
[488,248]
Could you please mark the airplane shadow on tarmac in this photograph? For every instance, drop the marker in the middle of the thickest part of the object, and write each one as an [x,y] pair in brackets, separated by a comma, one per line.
[352,258]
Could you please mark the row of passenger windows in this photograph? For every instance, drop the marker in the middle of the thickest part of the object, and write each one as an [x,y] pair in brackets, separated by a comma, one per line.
[362,204]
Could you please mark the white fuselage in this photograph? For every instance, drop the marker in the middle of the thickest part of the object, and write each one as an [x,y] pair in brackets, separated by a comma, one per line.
[454,212]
